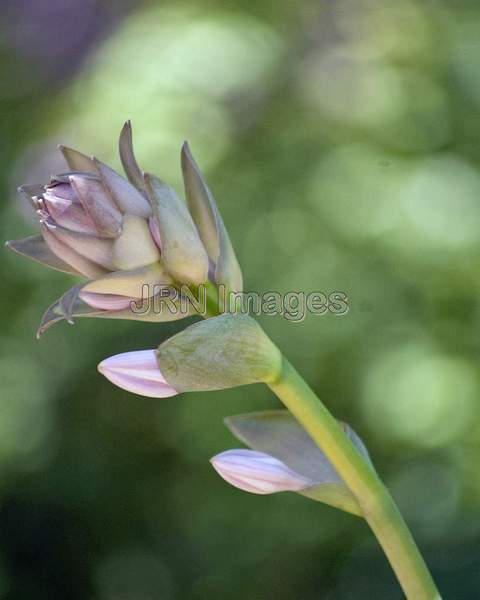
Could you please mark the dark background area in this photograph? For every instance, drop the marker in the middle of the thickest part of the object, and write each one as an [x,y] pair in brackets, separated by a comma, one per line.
[341,140]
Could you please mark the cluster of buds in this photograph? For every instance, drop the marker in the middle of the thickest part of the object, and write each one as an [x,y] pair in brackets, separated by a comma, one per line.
[126,237]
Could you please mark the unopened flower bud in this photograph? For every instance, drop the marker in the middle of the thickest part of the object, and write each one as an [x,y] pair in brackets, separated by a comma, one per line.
[278,435]
[126,236]
[137,372]
[257,472]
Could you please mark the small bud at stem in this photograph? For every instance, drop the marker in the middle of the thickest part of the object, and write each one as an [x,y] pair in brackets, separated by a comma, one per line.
[257,472]
[137,372]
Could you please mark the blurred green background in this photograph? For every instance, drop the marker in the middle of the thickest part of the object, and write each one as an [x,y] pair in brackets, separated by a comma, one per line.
[341,140]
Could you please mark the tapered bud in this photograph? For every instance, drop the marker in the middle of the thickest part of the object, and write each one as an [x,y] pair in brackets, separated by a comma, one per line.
[221,352]
[137,372]
[257,472]
[278,435]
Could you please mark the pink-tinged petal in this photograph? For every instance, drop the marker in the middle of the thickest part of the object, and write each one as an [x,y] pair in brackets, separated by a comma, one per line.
[257,472]
[98,203]
[96,249]
[106,301]
[137,372]
[63,190]
[80,263]
[68,212]
[155,231]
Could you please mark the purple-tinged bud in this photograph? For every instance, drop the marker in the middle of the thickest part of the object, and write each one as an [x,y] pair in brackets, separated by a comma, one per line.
[257,472]
[62,204]
[124,236]
[137,372]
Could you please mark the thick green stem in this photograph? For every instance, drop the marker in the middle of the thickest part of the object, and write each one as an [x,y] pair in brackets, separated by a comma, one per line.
[377,505]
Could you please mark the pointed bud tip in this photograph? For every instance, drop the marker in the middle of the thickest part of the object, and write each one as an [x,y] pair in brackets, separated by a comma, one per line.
[257,472]
[137,372]
[186,152]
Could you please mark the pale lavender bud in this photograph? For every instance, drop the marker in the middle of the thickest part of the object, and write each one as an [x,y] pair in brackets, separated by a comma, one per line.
[257,472]
[62,204]
[137,372]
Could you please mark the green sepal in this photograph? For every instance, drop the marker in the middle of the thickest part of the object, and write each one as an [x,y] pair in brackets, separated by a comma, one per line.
[77,161]
[71,306]
[183,253]
[132,283]
[210,224]
[218,353]
[35,248]
[127,156]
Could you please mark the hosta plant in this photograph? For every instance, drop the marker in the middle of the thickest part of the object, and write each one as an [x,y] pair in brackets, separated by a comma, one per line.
[130,240]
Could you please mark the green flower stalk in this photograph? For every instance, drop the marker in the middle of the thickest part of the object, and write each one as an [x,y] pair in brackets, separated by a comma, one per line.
[121,235]
[231,350]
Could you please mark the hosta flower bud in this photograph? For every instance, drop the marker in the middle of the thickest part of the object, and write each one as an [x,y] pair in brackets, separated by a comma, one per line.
[276,434]
[137,372]
[124,235]
[221,352]
[257,472]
